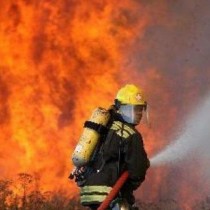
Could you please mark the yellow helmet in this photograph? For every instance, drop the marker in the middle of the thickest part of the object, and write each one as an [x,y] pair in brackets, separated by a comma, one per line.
[131,94]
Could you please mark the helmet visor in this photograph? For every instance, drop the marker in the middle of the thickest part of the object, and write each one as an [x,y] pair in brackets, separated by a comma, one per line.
[132,113]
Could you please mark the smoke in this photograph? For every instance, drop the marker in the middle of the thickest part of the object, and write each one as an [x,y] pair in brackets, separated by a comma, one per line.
[171,63]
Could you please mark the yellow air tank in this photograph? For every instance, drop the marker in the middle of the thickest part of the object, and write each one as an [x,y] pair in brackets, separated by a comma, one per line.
[90,137]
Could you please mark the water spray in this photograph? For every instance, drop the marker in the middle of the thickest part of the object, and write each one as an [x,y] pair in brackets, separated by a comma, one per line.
[195,137]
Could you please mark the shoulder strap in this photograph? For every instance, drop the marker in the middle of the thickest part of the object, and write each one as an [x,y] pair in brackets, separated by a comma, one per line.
[101,129]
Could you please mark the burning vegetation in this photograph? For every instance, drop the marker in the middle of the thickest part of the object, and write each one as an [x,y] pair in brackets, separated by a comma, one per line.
[23,193]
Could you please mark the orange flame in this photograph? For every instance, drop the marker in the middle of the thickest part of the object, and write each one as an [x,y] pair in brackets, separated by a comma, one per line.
[58,61]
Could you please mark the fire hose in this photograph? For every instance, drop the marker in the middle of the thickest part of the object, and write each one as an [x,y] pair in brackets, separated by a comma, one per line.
[115,190]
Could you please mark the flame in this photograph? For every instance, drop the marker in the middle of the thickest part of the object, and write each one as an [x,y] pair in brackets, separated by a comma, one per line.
[61,59]
[58,61]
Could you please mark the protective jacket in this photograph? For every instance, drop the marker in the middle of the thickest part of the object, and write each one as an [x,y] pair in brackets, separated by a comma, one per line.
[121,150]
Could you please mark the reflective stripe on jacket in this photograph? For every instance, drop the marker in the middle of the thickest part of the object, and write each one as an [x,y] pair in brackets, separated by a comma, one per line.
[94,194]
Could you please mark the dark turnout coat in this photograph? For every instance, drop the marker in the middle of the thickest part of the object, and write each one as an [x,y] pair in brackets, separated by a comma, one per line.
[122,150]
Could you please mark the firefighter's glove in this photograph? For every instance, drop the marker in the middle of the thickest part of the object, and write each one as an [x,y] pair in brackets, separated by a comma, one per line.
[80,176]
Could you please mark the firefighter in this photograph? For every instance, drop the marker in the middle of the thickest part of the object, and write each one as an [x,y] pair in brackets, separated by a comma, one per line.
[121,149]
